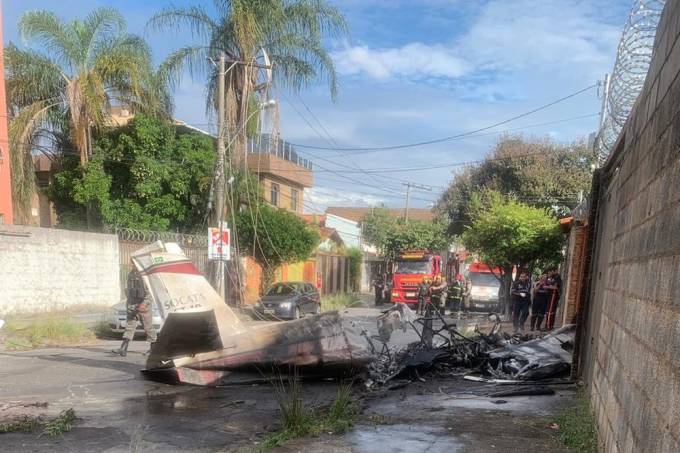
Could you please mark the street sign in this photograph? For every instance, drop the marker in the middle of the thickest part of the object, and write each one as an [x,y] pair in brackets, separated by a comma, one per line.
[219,248]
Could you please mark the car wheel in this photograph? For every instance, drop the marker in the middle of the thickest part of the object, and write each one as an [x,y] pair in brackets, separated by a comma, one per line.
[298,313]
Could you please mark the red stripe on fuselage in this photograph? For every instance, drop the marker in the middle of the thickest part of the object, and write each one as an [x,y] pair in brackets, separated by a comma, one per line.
[180,267]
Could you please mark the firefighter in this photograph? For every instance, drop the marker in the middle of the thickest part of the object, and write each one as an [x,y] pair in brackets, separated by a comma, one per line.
[423,292]
[438,292]
[554,287]
[138,307]
[455,294]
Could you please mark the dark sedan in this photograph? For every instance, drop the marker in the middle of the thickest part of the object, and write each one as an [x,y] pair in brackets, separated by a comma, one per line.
[289,300]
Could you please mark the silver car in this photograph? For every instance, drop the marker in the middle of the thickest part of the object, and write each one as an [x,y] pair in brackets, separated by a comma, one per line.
[117,318]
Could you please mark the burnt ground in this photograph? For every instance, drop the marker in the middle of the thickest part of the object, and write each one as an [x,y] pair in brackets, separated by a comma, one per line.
[119,411]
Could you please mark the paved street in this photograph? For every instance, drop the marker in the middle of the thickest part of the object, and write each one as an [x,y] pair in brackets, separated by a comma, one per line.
[119,411]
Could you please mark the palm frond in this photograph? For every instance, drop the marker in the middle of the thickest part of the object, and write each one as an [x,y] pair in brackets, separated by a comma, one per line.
[172,18]
[31,77]
[98,28]
[23,134]
[56,37]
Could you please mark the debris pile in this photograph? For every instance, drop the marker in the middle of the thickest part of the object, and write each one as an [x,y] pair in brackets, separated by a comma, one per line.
[204,342]
[443,350]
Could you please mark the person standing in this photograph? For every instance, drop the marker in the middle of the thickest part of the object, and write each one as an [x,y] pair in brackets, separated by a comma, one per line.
[521,296]
[438,292]
[138,307]
[540,302]
[379,287]
[554,287]
[423,292]
[455,294]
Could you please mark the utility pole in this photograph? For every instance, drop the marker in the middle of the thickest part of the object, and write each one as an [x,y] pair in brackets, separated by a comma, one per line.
[408,194]
[220,177]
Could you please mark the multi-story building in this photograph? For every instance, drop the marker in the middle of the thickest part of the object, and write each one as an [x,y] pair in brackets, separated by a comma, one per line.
[283,174]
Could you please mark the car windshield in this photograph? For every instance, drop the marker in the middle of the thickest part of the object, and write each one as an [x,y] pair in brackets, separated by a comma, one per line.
[483,279]
[412,267]
[281,289]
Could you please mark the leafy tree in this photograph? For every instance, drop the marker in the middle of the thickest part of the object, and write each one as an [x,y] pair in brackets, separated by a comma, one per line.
[275,236]
[355,258]
[146,175]
[291,32]
[539,173]
[64,87]
[506,233]
[392,236]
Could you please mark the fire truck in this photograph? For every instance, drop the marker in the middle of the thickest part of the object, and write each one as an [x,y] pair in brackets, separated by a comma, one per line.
[409,270]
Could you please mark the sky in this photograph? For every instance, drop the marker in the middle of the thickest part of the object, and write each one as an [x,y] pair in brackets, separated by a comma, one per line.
[412,71]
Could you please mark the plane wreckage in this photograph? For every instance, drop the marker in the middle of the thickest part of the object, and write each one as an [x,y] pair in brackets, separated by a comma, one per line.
[204,342]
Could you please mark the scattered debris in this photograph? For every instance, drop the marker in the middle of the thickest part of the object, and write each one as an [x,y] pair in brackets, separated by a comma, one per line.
[204,342]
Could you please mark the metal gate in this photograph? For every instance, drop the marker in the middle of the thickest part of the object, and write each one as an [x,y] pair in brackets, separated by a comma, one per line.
[195,247]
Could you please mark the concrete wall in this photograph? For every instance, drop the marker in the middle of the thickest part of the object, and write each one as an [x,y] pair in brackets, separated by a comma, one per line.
[46,269]
[631,359]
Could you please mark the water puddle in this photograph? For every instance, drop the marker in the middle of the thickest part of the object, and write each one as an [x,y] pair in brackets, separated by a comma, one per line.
[403,438]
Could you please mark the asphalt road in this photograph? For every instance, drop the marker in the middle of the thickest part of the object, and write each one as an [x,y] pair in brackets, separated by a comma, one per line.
[119,411]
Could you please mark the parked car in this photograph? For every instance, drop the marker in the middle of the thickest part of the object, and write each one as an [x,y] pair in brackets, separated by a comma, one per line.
[484,291]
[289,300]
[117,318]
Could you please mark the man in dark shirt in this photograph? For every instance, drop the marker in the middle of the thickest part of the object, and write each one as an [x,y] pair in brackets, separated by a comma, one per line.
[521,295]
[540,302]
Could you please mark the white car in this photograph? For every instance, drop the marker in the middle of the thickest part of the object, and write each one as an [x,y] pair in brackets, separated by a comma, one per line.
[117,318]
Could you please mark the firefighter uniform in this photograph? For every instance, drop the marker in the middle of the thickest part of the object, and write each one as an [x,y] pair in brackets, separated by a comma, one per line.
[438,292]
[456,291]
[138,310]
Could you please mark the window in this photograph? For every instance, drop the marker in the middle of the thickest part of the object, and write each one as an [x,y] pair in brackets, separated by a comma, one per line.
[293,199]
[413,267]
[274,195]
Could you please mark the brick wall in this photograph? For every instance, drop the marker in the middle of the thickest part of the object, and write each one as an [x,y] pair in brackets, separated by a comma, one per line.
[46,269]
[631,346]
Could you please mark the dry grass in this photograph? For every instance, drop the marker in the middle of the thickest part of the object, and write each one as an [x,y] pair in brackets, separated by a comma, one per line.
[339,302]
[46,330]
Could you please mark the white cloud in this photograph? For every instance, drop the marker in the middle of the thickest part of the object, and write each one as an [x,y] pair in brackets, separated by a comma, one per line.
[414,60]
[319,198]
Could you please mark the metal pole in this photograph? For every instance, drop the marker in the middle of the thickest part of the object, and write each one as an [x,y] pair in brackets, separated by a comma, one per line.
[220,180]
[408,195]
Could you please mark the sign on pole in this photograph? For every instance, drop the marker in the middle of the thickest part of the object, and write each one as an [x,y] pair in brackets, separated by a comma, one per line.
[219,247]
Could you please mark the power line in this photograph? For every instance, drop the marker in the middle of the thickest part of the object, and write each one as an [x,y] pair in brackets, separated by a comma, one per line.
[452,137]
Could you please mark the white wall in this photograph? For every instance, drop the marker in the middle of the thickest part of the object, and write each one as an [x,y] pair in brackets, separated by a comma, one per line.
[348,230]
[45,269]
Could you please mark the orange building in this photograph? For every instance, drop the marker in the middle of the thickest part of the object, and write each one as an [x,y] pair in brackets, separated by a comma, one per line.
[283,174]
[6,216]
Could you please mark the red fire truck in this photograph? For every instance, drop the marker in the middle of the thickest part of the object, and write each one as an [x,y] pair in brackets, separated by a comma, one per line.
[410,268]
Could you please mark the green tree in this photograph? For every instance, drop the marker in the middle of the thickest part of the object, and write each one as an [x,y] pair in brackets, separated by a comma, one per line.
[274,237]
[355,258]
[64,87]
[392,236]
[291,33]
[506,233]
[539,173]
[145,175]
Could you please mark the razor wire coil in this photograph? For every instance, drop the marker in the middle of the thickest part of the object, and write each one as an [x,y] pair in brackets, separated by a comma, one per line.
[183,239]
[633,58]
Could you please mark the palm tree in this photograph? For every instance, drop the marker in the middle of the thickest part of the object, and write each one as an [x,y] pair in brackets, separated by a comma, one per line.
[63,90]
[283,37]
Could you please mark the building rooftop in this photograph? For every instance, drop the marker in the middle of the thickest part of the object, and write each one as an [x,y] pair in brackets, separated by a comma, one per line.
[267,144]
[356,214]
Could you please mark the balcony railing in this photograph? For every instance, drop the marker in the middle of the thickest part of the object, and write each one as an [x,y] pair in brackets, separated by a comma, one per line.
[266,144]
